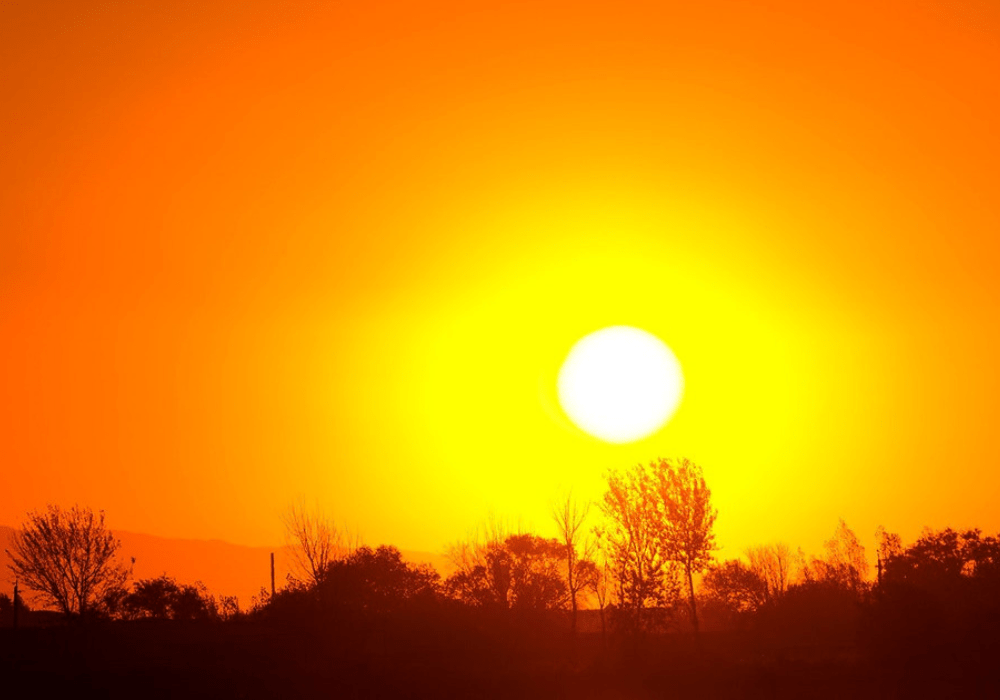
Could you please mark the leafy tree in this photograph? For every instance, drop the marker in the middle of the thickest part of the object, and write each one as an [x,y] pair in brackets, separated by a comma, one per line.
[630,539]
[946,554]
[523,572]
[951,565]
[68,557]
[164,599]
[737,585]
[536,579]
[889,545]
[482,568]
[194,602]
[376,582]
[946,585]
[367,587]
[150,598]
[658,527]
[685,530]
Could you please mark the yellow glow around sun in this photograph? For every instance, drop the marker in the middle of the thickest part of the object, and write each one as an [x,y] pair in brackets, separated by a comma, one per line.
[620,384]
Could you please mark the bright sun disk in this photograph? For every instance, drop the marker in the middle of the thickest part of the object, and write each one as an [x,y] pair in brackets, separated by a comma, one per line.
[620,384]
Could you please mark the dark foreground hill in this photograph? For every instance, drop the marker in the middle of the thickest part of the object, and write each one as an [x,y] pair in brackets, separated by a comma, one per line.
[253,659]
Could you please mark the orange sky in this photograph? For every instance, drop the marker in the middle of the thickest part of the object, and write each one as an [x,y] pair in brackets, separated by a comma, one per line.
[256,251]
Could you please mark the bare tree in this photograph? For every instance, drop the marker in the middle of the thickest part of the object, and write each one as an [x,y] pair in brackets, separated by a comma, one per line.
[685,533]
[845,564]
[315,542]
[569,516]
[845,552]
[68,557]
[773,563]
[471,552]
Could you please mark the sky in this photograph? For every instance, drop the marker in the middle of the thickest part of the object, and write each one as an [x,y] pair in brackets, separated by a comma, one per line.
[260,252]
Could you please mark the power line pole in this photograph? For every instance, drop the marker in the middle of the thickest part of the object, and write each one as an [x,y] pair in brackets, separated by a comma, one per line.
[17,600]
[272,574]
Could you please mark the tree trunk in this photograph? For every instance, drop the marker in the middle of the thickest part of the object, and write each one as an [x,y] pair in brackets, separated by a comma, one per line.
[694,607]
[570,583]
[604,630]
[574,613]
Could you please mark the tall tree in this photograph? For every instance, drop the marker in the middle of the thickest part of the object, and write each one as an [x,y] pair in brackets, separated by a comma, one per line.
[687,517]
[68,557]
[630,539]
[581,572]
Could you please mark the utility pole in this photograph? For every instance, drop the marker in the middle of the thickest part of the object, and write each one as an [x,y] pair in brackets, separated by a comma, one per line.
[272,574]
[16,602]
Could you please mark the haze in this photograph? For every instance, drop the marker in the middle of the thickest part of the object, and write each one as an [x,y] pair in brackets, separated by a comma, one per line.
[255,251]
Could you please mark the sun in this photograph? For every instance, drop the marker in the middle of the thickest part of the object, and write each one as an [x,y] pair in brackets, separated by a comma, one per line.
[620,384]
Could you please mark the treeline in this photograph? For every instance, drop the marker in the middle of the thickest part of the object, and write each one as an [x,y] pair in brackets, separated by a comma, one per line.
[625,577]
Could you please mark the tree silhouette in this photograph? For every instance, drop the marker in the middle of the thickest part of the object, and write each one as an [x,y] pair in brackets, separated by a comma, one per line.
[659,521]
[686,529]
[164,599]
[520,573]
[315,542]
[956,567]
[845,564]
[68,557]
[482,572]
[738,587]
[888,545]
[943,555]
[630,538]
[377,581]
[581,572]
[773,564]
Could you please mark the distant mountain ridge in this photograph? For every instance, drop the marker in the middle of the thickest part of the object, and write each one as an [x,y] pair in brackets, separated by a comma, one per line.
[224,568]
